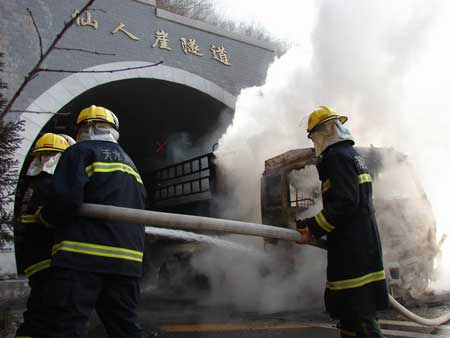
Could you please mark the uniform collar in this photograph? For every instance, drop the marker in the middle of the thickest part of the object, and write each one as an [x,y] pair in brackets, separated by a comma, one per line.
[337,145]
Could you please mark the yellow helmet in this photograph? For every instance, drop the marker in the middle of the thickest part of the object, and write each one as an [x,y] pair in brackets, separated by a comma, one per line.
[321,115]
[99,114]
[51,142]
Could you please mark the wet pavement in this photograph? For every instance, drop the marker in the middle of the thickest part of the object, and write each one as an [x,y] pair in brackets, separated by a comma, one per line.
[163,316]
[167,316]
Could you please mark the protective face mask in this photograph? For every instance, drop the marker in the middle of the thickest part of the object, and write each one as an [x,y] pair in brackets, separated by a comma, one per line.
[319,142]
[342,132]
[46,163]
[329,133]
[98,132]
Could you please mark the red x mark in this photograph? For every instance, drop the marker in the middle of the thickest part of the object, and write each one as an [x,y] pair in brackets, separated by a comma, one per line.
[160,147]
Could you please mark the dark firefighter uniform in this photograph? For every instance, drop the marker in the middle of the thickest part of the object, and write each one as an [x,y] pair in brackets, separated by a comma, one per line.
[36,238]
[95,263]
[356,286]
[35,245]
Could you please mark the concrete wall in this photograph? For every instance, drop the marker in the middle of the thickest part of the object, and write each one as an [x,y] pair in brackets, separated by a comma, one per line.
[249,59]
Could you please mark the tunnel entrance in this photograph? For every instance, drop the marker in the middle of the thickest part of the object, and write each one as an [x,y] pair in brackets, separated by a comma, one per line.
[161,124]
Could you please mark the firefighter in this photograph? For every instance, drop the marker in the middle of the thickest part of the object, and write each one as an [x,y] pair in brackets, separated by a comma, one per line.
[356,286]
[35,239]
[95,263]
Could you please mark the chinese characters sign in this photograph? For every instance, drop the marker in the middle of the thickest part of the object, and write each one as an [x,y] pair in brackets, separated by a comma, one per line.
[161,40]
[188,45]
[121,28]
[220,54]
[85,19]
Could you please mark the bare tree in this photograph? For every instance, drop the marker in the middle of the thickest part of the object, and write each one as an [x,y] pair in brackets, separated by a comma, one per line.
[203,10]
[10,139]
[43,55]
[9,142]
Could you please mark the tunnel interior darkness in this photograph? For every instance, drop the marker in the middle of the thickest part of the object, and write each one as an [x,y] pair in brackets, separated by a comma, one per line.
[161,122]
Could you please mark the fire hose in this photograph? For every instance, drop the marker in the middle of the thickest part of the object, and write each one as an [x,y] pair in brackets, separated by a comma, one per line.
[200,223]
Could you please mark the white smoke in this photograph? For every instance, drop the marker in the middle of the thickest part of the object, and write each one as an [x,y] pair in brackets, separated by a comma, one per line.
[267,285]
[385,64]
[182,145]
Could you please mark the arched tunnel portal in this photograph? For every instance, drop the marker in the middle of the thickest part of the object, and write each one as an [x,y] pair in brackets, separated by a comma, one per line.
[162,123]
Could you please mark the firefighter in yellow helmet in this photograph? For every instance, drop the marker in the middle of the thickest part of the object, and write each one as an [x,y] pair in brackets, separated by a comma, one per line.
[34,239]
[356,286]
[96,263]
[97,124]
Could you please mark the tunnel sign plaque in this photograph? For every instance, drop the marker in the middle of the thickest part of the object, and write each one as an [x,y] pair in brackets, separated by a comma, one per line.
[188,45]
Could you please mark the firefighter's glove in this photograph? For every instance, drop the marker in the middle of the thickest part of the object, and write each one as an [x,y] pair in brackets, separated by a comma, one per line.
[305,233]
[39,219]
[301,223]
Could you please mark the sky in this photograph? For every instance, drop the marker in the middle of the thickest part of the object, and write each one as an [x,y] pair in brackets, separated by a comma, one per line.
[287,19]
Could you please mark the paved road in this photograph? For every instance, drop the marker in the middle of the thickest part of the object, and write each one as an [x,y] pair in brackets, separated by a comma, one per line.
[300,329]
[165,318]
[253,330]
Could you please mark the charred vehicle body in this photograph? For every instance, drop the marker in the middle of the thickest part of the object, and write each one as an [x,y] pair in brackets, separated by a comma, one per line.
[290,189]
[185,188]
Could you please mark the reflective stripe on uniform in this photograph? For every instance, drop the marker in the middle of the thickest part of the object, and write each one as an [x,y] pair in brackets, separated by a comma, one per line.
[33,218]
[107,167]
[356,282]
[28,218]
[326,186]
[364,178]
[98,250]
[32,269]
[323,223]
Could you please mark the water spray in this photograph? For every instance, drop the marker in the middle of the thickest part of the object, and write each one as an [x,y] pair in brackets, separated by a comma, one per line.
[200,223]
[205,239]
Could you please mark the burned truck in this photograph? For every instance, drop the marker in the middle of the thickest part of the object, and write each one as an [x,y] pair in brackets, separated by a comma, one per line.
[290,189]
[186,188]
